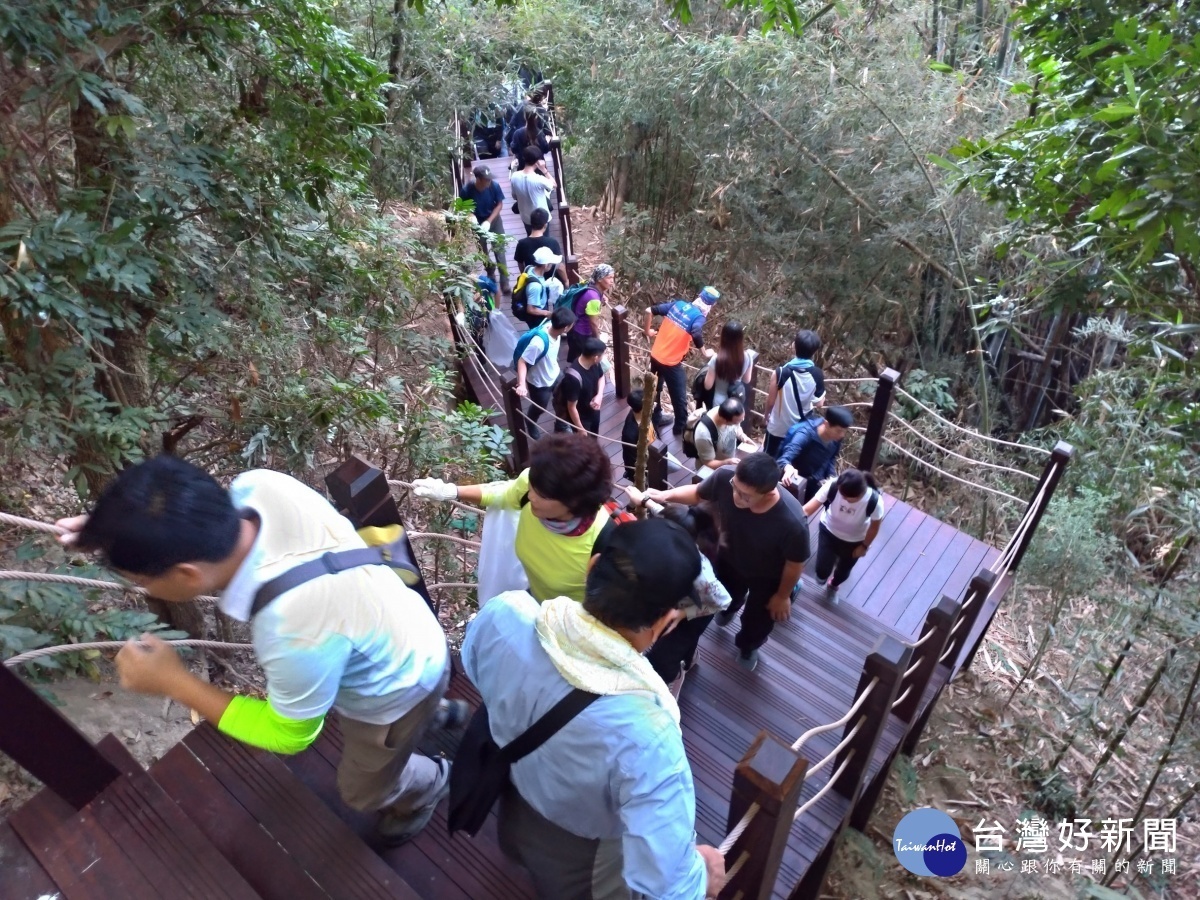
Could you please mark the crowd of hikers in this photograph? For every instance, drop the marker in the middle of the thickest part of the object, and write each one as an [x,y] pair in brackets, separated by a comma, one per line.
[580,667]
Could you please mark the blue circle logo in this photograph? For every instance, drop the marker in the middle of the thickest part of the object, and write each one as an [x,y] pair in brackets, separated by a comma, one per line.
[927,842]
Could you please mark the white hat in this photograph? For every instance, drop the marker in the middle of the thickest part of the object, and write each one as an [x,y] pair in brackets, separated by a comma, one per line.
[544,256]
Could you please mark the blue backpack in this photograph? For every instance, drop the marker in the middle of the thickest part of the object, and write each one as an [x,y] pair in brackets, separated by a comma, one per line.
[523,344]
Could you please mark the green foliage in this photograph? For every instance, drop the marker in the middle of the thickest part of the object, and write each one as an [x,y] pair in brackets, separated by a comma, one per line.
[1105,161]
[1050,792]
[36,614]
[1075,547]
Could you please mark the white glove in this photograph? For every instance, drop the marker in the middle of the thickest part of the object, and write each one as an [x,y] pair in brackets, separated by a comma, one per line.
[485,226]
[434,489]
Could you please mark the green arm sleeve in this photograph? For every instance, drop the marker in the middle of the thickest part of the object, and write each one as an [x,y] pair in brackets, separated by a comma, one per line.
[506,494]
[254,722]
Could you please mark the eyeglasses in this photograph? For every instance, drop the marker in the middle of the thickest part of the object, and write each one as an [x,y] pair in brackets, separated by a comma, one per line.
[748,498]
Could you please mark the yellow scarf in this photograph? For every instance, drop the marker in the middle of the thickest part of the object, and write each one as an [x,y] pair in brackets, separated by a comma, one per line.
[593,657]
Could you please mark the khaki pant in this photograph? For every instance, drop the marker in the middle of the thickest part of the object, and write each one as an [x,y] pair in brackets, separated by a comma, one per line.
[563,865]
[379,768]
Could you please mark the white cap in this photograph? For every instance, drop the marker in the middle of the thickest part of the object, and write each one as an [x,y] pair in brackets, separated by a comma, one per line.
[544,256]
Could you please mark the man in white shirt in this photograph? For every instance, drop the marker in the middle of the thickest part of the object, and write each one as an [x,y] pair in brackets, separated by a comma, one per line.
[537,367]
[849,524]
[532,187]
[356,640]
[714,450]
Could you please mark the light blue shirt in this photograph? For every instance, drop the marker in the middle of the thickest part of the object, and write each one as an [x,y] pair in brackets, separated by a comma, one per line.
[617,770]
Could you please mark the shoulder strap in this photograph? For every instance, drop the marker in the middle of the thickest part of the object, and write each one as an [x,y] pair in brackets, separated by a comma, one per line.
[873,502]
[330,564]
[829,498]
[548,725]
[710,426]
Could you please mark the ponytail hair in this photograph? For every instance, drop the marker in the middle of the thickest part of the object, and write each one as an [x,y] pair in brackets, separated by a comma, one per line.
[854,483]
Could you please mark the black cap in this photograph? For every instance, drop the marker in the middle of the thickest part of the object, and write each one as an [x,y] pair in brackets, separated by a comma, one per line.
[663,558]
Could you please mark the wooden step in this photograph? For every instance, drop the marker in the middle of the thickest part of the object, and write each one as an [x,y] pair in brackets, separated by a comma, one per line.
[132,841]
[438,865]
[21,875]
[287,812]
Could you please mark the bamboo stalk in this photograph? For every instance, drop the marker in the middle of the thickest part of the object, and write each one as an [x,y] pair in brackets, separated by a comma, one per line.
[1085,798]
[643,444]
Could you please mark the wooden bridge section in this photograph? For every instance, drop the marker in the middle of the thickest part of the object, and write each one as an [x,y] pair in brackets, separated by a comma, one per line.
[783,758]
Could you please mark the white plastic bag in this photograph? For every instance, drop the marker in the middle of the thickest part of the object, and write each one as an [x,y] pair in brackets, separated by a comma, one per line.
[500,342]
[499,569]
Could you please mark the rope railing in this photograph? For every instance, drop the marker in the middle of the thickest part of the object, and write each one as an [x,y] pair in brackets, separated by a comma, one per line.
[902,697]
[926,636]
[816,798]
[966,459]
[832,754]
[952,477]
[821,729]
[738,830]
[437,536]
[967,431]
[30,655]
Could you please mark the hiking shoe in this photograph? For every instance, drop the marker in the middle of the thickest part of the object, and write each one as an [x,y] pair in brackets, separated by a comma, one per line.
[831,592]
[748,661]
[677,685]
[451,714]
[662,422]
[392,830]
[723,618]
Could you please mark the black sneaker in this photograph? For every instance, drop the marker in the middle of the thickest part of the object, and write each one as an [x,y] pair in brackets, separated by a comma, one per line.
[662,422]
[723,618]
[451,714]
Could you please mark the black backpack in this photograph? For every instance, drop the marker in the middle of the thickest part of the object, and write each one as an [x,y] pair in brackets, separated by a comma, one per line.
[689,433]
[481,768]
[871,503]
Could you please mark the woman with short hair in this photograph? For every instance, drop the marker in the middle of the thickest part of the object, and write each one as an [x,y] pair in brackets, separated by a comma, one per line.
[563,522]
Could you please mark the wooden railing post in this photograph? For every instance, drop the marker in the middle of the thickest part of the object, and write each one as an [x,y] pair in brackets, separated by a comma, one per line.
[886,662]
[938,622]
[41,741]
[620,348]
[770,776]
[873,438]
[361,493]
[518,425]
[656,463]
[1060,457]
[972,605]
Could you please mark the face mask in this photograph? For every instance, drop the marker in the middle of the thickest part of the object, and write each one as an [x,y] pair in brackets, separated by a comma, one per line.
[562,527]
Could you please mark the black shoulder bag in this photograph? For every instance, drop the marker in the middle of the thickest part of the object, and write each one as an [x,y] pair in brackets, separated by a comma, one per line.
[481,768]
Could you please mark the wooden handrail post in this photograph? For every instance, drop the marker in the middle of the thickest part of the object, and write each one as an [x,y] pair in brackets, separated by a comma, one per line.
[771,775]
[620,348]
[518,425]
[887,662]
[972,605]
[873,439]
[656,463]
[41,740]
[360,492]
[1060,458]
[939,621]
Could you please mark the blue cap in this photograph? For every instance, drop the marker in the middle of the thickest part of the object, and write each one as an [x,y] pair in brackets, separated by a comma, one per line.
[709,295]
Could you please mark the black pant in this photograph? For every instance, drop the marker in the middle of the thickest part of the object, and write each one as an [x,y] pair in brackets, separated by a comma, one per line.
[677,648]
[772,445]
[539,402]
[590,418]
[497,228]
[575,342]
[675,378]
[753,593]
[830,550]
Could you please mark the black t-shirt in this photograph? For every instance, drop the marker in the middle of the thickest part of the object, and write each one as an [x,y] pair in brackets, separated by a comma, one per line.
[580,390]
[758,544]
[528,246]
